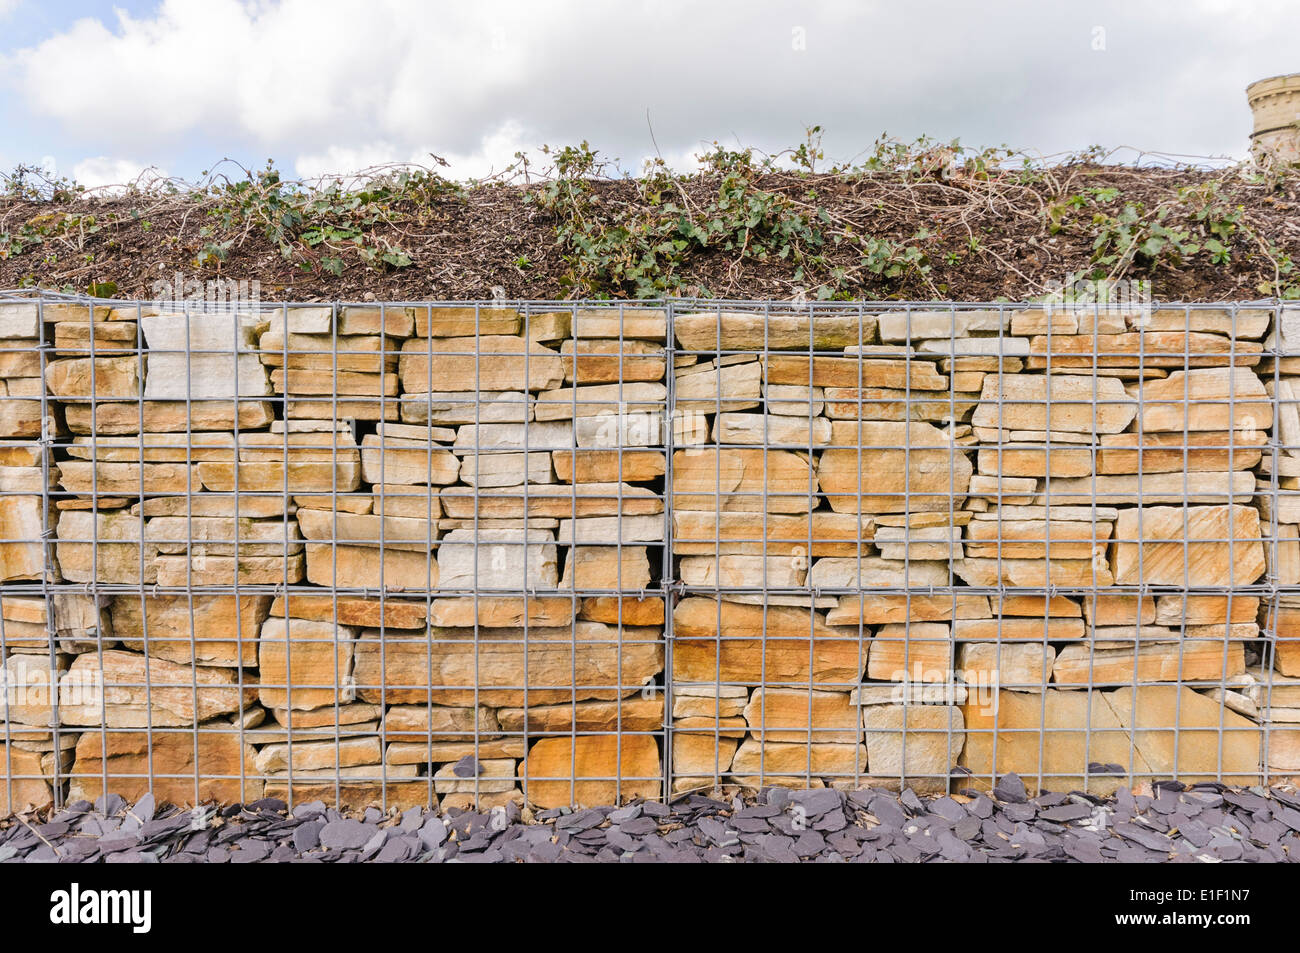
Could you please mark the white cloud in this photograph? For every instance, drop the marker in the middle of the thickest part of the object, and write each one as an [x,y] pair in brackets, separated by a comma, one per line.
[330,85]
[106,171]
[495,150]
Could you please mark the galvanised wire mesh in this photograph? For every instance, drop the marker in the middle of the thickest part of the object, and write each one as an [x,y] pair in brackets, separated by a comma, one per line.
[473,553]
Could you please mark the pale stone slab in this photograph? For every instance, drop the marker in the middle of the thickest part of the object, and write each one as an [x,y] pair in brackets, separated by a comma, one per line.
[104,547]
[215,630]
[318,755]
[20,319]
[166,765]
[759,763]
[743,480]
[1217,398]
[154,448]
[392,320]
[1023,666]
[635,713]
[165,416]
[28,698]
[794,400]
[458,667]
[1134,349]
[127,690]
[218,536]
[762,645]
[326,385]
[366,354]
[621,322]
[892,468]
[741,331]
[395,532]
[183,572]
[554,501]
[892,404]
[1203,610]
[709,701]
[466,407]
[745,572]
[919,543]
[1174,726]
[1233,322]
[639,428]
[483,438]
[1149,488]
[310,319]
[819,533]
[904,326]
[496,469]
[1190,661]
[501,612]
[97,378]
[913,743]
[611,530]
[1008,628]
[370,567]
[203,357]
[498,559]
[592,770]
[771,430]
[719,385]
[1188,546]
[809,716]
[606,567]
[1168,452]
[491,362]
[608,466]
[997,346]
[233,506]
[352,610]
[304,664]
[22,554]
[602,361]
[904,374]
[1027,539]
[292,477]
[566,403]
[976,571]
[879,608]
[1019,460]
[874,572]
[1070,403]
[386,459]
[459,321]
[1049,739]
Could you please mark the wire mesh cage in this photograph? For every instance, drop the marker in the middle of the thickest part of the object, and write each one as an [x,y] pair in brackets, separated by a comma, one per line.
[564,553]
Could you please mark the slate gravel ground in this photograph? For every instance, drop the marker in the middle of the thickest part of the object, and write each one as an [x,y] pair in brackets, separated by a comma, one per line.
[1173,823]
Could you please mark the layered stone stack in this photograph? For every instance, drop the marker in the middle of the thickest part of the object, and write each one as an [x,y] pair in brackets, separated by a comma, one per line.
[923,544]
[367,554]
[397,555]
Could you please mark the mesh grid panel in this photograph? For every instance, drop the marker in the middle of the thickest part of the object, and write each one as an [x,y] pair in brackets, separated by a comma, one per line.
[583,552]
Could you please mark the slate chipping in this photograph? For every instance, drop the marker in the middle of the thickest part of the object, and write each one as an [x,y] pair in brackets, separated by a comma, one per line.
[1206,823]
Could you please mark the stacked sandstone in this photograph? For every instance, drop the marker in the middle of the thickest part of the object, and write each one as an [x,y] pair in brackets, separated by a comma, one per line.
[394,555]
[370,554]
[971,533]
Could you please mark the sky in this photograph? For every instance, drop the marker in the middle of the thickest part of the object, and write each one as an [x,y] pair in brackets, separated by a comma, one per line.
[102,91]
